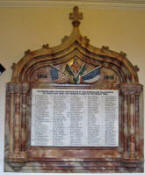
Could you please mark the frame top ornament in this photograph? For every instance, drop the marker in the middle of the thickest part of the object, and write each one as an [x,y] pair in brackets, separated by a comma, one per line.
[76,16]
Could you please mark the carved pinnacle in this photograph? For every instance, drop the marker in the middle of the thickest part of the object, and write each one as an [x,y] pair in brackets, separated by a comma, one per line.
[123,54]
[105,48]
[76,16]
[27,52]
[64,39]
[136,68]
[13,66]
[86,40]
[45,46]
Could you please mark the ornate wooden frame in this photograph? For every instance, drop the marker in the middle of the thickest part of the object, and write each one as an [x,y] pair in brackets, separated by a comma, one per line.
[21,156]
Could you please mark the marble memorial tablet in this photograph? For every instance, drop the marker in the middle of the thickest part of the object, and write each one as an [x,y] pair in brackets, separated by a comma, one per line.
[74,108]
[75,118]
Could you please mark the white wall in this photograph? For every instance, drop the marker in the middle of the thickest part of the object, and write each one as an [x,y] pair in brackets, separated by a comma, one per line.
[30,28]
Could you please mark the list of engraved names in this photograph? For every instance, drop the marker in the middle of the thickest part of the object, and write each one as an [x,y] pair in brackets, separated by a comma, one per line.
[74,118]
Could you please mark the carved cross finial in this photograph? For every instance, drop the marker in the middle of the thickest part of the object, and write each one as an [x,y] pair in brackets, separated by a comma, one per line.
[76,16]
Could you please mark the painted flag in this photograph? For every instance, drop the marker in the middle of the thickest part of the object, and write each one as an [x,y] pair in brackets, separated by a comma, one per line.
[57,76]
[77,78]
[91,76]
[54,73]
[69,70]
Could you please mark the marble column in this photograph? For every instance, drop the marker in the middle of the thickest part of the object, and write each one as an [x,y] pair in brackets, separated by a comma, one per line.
[131,95]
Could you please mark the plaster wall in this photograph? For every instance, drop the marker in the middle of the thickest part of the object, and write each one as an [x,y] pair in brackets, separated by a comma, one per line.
[30,28]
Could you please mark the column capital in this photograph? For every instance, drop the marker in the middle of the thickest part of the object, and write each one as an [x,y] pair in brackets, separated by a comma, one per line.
[131,89]
[13,88]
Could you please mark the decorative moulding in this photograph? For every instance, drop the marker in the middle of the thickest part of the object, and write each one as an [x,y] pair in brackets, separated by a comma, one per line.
[119,4]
